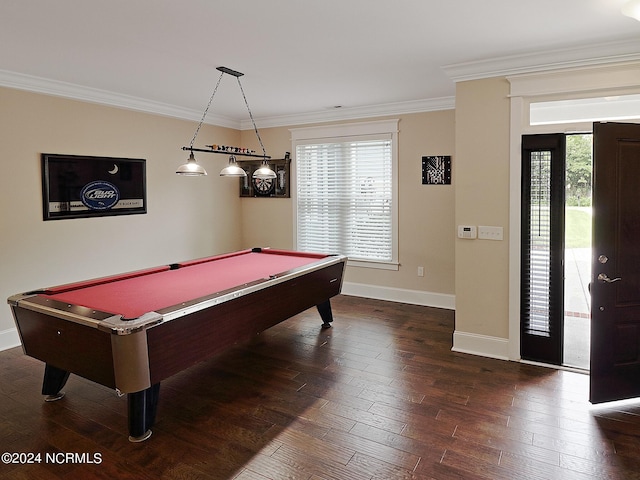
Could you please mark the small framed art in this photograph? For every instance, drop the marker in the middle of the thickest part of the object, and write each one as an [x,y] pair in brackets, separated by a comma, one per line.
[436,170]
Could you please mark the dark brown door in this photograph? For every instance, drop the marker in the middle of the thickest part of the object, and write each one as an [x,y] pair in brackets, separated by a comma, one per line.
[615,283]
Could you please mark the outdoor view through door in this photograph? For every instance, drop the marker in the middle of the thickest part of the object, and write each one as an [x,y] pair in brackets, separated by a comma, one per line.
[577,250]
[556,249]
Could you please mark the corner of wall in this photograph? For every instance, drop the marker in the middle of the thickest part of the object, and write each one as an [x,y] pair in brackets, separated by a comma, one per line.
[482,345]
[9,339]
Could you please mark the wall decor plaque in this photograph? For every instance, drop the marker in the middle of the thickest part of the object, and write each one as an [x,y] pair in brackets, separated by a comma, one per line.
[436,170]
[76,186]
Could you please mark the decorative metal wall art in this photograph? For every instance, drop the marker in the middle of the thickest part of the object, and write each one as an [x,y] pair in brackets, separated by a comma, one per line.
[436,170]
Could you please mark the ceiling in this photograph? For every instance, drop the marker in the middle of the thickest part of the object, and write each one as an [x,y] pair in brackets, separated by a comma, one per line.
[301,58]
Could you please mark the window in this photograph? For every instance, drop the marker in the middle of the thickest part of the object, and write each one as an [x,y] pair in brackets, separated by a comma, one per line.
[542,262]
[346,191]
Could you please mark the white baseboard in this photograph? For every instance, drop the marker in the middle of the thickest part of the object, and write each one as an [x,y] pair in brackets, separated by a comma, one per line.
[9,339]
[483,345]
[463,342]
[414,297]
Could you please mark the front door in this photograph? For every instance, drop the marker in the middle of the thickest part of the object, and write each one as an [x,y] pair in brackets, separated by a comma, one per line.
[615,283]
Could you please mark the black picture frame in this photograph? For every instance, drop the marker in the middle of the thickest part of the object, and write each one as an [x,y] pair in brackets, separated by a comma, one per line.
[79,186]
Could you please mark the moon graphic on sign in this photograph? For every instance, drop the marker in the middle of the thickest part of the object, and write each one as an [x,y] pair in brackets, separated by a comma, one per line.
[114,170]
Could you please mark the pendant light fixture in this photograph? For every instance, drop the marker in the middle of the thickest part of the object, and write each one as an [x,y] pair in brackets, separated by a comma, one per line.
[264,172]
[191,167]
[233,169]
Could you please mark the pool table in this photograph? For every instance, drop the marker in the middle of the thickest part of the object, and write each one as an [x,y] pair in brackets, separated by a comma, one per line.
[131,331]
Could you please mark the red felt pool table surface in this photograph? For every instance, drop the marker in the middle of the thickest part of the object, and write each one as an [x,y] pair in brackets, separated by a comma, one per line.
[134,294]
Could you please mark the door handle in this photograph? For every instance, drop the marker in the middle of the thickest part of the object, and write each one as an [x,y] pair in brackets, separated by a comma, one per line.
[602,277]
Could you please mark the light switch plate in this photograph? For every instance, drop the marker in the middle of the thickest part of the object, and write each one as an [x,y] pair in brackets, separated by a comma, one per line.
[490,233]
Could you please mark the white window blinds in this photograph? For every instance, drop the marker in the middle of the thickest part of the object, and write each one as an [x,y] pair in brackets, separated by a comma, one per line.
[345,197]
[539,244]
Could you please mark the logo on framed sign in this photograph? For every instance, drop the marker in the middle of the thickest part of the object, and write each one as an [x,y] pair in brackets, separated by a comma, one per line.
[99,195]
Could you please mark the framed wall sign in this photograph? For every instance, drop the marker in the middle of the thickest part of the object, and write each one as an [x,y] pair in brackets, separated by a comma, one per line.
[75,186]
[436,170]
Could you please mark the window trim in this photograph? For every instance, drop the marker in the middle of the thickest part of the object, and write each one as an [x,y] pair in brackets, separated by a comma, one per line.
[325,132]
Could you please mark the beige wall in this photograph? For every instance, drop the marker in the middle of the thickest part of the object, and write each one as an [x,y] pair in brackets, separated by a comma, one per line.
[426,213]
[187,217]
[267,222]
[481,171]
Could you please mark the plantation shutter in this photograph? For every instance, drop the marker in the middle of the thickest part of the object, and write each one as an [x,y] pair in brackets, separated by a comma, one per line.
[542,266]
[345,197]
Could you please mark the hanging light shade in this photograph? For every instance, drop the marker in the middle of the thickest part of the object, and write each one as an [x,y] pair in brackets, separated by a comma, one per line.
[233,169]
[264,172]
[191,168]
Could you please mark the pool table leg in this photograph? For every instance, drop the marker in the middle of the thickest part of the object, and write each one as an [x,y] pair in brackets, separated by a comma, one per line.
[54,381]
[142,408]
[324,309]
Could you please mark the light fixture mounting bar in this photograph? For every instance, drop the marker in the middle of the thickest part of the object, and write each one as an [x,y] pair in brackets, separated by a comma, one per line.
[229,71]
[223,152]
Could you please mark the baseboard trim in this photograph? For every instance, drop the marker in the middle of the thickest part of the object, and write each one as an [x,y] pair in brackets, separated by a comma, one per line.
[9,339]
[400,295]
[483,345]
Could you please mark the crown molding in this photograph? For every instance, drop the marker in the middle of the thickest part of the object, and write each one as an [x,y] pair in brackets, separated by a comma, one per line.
[354,113]
[93,95]
[73,91]
[584,56]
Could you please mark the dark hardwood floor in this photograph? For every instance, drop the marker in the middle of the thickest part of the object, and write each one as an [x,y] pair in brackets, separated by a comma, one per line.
[378,396]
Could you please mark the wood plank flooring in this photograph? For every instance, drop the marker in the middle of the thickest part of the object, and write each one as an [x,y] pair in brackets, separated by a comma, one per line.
[380,396]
